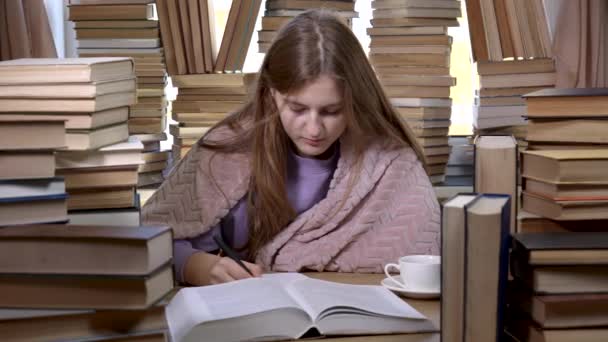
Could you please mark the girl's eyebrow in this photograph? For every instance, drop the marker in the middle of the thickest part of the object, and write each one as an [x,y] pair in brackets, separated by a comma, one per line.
[293,102]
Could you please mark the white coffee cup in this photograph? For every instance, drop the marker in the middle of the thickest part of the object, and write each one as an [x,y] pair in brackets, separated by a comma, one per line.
[417,272]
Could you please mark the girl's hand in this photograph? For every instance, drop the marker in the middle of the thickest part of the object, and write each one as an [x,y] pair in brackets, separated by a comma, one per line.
[226,270]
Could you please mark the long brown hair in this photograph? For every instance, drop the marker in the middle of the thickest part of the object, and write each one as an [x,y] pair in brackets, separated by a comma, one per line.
[314,43]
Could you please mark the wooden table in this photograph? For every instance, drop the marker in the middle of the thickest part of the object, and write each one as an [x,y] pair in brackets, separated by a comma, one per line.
[429,308]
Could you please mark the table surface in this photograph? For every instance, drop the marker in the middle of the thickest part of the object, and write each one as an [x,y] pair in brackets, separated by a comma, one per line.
[429,308]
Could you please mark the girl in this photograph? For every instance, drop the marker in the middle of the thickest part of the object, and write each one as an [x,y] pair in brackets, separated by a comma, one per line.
[315,172]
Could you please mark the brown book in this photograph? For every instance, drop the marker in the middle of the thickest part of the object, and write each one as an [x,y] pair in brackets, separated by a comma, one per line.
[101,198]
[568,103]
[78,140]
[105,178]
[68,70]
[419,59]
[27,164]
[566,311]
[26,134]
[60,291]
[187,132]
[561,279]
[206,106]
[496,168]
[67,90]
[398,22]
[588,131]
[500,101]
[211,97]
[173,15]
[388,4]
[518,80]
[151,167]
[406,31]
[453,278]
[527,66]
[274,23]
[148,112]
[411,40]
[86,33]
[111,12]
[412,12]
[523,329]
[134,53]
[180,152]
[568,191]
[150,178]
[59,249]
[561,248]
[486,233]
[566,166]
[242,35]
[565,210]
[543,146]
[222,56]
[116,24]
[71,105]
[185,141]
[430,132]
[28,210]
[411,80]
[310,4]
[416,91]
[152,157]
[477,30]
[432,141]
[26,324]
[78,120]
[504,30]
[195,35]
[506,91]
[147,125]
[119,155]
[208,30]
[166,35]
[236,80]
[186,31]
[393,70]
[516,35]
[424,113]
[529,223]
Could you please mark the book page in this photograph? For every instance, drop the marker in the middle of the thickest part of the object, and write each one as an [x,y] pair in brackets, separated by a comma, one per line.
[321,297]
[195,305]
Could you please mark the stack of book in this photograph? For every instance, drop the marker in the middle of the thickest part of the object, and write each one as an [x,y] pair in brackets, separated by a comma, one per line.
[62,282]
[128,28]
[202,101]
[499,106]
[564,174]
[279,12]
[560,292]
[29,190]
[410,51]
[512,47]
[91,95]
[460,169]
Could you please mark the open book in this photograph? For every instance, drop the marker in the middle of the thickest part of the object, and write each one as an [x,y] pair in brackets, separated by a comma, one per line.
[288,306]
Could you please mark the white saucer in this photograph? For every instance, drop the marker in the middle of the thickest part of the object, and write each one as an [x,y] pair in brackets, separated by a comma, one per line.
[390,284]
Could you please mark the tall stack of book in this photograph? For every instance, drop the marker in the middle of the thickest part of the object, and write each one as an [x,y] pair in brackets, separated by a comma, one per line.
[511,44]
[564,176]
[279,12]
[410,51]
[92,96]
[101,283]
[129,28]
[209,87]
[560,292]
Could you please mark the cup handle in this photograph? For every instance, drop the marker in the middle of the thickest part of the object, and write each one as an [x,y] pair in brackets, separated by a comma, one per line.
[387,267]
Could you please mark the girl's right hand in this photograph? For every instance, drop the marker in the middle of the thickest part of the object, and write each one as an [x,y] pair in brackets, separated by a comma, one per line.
[225,270]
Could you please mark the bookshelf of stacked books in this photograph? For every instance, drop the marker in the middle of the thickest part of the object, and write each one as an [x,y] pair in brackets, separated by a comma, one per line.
[410,51]
[512,49]
[129,28]
[559,257]
[91,95]
[279,12]
[210,84]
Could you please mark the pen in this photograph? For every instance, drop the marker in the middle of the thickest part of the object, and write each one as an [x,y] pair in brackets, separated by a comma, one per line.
[231,253]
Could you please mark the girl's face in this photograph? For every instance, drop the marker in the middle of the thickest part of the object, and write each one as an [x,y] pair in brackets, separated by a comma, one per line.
[312,117]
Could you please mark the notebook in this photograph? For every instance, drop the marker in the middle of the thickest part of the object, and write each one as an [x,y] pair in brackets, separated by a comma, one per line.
[288,306]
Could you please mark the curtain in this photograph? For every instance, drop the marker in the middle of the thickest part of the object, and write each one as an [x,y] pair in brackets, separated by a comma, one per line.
[24,30]
[579,44]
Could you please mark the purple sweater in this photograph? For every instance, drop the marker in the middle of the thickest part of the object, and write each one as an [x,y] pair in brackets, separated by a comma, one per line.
[307,183]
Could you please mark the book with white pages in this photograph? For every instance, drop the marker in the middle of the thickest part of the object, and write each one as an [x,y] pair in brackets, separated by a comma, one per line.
[120,154]
[288,306]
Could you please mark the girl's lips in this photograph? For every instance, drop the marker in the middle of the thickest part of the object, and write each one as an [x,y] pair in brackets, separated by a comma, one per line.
[313,142]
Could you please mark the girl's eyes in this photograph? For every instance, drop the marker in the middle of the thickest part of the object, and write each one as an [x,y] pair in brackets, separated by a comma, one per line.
[301,110]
